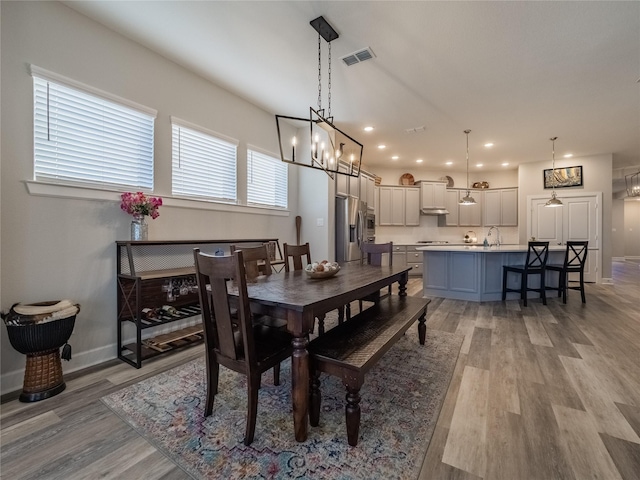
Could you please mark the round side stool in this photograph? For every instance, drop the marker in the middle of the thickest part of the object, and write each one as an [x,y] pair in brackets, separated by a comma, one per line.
[40,337]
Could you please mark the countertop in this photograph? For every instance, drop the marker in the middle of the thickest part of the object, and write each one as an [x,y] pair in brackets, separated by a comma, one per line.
[478,248]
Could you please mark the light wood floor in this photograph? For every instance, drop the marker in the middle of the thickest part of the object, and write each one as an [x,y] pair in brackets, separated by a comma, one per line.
[542,392]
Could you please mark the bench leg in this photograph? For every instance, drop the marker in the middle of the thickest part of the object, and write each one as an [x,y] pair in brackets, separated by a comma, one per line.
[315,398]
[422,328]
[352,414]
[321,324]
[340,314]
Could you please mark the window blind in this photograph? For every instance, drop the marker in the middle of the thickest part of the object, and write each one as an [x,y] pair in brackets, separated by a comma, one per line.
[203,165]
[266,180]
[84,138]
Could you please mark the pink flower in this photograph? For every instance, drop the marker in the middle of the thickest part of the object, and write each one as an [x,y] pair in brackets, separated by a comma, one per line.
[138,204]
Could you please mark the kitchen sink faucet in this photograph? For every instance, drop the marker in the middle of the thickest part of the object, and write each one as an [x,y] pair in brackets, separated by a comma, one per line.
[497,239]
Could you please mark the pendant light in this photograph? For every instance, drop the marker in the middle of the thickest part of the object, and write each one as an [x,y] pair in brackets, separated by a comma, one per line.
[467,199]
[553,201]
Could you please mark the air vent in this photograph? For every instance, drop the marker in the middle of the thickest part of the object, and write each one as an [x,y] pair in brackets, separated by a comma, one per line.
[357,57]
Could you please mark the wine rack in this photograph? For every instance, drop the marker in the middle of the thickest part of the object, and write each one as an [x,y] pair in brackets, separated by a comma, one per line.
[153,274]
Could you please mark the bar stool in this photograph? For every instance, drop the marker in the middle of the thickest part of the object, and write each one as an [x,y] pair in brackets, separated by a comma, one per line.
[537,255]
[574,260]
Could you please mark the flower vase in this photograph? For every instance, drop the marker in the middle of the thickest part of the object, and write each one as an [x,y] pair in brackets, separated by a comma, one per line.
[139,228]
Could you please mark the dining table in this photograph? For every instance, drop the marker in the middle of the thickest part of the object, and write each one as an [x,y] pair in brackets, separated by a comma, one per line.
[299,299]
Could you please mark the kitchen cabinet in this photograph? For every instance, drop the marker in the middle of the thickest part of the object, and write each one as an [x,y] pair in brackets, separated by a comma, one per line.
[348,185]
[399,256]
[432,194]
[399,206]
[500,207]
[414,260]
[367,190]
[451,199]
[342,182]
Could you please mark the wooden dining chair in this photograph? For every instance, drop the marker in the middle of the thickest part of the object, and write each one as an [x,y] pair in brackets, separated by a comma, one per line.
[296,253]
[371,254]
[575,258]
[257,260]
[535,264]
[242,346]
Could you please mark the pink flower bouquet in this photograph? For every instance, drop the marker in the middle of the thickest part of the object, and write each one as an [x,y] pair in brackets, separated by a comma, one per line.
[138,204]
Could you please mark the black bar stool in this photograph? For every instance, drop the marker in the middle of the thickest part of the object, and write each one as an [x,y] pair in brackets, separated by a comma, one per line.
[536,261]
[574,260]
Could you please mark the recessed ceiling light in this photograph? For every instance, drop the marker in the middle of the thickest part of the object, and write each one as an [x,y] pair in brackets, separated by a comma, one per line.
[382,147]
[505,164]
[368,129]
[419,160]
[449,163]
[568,155]
[488,145]
[395,157]
[478,164]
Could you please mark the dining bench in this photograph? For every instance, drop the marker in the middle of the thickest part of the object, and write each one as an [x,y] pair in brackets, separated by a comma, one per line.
[352,348]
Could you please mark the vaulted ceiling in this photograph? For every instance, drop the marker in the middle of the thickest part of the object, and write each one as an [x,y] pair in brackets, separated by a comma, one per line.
[515,73]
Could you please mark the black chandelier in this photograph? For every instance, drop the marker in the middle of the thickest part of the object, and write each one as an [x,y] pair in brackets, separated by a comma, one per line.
[316,142]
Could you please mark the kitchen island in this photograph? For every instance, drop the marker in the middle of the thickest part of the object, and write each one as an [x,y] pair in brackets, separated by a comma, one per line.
[473,272]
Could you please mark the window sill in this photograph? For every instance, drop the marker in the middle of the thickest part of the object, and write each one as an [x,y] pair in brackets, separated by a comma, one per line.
[43,189]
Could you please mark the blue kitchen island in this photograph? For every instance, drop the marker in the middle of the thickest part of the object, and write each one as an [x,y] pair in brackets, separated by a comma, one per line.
[474,272]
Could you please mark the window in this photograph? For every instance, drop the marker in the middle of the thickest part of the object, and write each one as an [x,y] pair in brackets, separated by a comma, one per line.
[266,180]
[82,136]
[204,163]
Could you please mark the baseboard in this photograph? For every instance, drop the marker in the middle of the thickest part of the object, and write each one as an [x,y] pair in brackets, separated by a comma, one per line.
[607,281]
[617,259]
[12,381]
[627,257]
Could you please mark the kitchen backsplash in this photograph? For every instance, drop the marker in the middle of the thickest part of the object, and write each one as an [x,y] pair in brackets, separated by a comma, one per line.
[429,230]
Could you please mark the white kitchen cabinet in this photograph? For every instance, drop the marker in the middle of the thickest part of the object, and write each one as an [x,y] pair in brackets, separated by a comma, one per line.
[398,206]
[367,190]
[470,215]
[451,199]
[500,207]
[432,194]
[412,207]
[342,182]
[354,187]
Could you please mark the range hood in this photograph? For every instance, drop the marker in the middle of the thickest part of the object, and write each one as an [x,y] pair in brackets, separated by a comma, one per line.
[434,211]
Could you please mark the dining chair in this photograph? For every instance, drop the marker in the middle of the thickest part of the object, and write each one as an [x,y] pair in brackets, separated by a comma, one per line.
[575,258]
[296,252]
[273,248]
[372,253]
[242,346]
[535,263]
[257,260]
[257,263]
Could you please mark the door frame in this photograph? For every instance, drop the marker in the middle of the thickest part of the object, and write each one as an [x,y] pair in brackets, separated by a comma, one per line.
[598,215]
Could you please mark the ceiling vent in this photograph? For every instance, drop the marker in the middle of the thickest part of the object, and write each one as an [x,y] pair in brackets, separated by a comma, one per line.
[358,57]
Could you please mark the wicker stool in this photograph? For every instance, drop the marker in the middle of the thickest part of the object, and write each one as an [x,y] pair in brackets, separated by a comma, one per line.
[41,343]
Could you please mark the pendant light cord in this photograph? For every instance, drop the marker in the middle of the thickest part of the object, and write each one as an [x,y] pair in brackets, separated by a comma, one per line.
[553,166]
[467,132]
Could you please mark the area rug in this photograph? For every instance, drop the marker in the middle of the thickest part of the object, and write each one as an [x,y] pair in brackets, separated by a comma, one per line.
[401,401]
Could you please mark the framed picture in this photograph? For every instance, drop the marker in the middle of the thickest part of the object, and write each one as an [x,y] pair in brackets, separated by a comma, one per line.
[563,177]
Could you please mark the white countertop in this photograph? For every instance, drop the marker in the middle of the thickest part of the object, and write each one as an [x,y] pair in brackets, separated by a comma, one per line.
[478,248]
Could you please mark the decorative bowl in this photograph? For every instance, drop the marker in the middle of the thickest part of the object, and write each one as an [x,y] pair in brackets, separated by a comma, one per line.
[324,274]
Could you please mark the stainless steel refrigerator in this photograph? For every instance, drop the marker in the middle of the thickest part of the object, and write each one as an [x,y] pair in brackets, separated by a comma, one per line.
[350,217]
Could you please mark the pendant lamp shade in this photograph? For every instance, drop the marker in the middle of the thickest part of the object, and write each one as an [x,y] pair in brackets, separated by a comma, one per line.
[467,199]
[553,201]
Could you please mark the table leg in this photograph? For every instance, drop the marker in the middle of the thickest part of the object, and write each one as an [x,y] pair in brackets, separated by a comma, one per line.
[402,290]
[300,386]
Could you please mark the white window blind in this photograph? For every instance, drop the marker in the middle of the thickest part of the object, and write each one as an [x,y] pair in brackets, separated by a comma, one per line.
[83,138]
[266,180]
[204,165]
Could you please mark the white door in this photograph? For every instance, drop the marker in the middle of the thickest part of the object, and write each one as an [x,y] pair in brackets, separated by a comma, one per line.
[577,220]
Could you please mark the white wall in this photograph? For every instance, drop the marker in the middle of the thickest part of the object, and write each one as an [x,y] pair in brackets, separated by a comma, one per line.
[597,177]
[53,248]
[617,228]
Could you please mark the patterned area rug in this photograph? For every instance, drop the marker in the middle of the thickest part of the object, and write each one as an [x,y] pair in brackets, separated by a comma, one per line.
[401,401]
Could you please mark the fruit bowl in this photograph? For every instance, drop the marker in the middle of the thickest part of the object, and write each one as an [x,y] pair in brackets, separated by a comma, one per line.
[328,270]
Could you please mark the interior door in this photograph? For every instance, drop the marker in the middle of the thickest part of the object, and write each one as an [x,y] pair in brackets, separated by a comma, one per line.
[546,223]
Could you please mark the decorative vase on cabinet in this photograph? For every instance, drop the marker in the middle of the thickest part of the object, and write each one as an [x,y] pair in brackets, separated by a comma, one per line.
[139,228]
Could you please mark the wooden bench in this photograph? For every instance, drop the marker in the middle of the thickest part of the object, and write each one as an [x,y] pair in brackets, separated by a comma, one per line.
[349,350]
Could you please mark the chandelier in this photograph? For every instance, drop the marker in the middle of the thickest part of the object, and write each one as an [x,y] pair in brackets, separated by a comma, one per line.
[316,142]
[633,184]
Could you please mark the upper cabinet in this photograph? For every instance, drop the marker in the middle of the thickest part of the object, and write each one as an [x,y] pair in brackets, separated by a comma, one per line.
[451,200]
[367,190]
[500,207]
[362,187]
[399,206]
[432,195]
[470,215]
[342,182]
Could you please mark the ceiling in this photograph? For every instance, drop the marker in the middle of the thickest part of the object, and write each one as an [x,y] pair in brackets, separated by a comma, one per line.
[515,73]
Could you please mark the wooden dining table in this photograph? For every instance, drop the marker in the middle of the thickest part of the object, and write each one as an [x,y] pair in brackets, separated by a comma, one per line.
[299,299]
